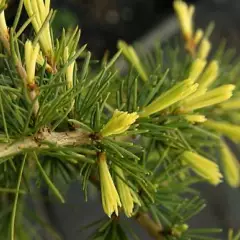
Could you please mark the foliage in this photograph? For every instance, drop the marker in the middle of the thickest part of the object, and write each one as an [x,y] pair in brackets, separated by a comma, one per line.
[143,139]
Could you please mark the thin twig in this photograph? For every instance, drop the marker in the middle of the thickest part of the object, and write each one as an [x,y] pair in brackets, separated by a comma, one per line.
[155,230]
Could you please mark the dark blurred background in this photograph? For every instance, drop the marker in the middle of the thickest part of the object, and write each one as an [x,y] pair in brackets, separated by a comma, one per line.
[103,22]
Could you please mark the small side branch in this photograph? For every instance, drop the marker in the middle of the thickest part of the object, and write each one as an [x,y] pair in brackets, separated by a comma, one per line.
[44,140]
[154,230]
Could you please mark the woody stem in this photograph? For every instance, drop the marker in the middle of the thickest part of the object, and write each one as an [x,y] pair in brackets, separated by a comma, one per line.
[44,140]
[155,230]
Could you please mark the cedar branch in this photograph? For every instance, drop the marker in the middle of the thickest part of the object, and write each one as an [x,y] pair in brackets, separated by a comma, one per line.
[43,140]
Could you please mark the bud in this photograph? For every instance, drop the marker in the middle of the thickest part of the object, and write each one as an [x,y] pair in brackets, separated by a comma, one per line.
[132,57]
[119,123]
[40,9]
[184,14]
[125,193]
[174,95]
[110,197]
[231,167]
[31,54]
[195,118]
[204,49]
[202,166]
[196,68]
[209,98]
[230,130]
[179,229]
[70,68]
[209,75]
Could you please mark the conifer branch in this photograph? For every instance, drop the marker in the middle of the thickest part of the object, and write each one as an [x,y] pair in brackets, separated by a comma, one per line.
[137,143]
[43,140]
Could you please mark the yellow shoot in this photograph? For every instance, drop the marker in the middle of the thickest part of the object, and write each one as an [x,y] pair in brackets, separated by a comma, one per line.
[231,104]
[119,123]
[3,26]
[209,98]
[196,68]
[31,54]
[184,14]
[231,166]
[170,97]
[125,192]
[202,166]
[209,75]
[40,9]
[70,69]
[110,197]
[198,36]
[132,57]
[204,49]
[230,130]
